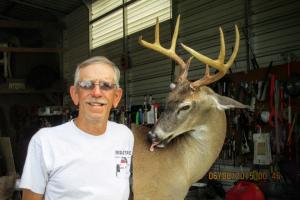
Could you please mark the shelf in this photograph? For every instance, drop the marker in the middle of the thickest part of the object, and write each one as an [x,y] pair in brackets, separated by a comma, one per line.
[31,50]
[51,115]
[260,74]
[30,91]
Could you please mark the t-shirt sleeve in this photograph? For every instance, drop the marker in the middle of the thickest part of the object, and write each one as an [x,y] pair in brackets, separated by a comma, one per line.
[131,140]
[34,176]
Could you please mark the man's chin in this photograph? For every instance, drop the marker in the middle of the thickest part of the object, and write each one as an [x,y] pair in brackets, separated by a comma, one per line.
[98,118]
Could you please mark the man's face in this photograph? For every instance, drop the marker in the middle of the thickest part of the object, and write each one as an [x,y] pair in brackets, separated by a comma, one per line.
[95,104]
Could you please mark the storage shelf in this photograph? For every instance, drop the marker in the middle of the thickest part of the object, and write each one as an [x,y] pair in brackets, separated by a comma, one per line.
[30,50]
[30,91]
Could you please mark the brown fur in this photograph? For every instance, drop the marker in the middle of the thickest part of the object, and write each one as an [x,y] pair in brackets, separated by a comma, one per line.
[194,139]
[167,174]
[194,117]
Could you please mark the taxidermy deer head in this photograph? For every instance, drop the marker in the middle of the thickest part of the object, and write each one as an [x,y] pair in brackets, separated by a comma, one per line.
[188,104]
[192,128]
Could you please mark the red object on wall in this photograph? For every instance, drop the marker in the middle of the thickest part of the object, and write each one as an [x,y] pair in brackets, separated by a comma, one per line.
[244,190]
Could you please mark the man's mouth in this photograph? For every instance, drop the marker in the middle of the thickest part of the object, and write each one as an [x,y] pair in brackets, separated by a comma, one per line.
[96,103]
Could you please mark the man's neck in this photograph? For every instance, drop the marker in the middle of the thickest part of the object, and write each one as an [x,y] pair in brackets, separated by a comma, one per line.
[93,128]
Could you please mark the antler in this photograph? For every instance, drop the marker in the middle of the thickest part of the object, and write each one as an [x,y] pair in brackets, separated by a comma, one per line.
[156,46]
[218,63]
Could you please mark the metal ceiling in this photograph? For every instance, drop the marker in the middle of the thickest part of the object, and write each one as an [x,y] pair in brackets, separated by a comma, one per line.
[37,10]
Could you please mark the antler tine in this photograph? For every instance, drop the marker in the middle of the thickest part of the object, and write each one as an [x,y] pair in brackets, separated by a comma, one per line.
[156,46]
[218,63]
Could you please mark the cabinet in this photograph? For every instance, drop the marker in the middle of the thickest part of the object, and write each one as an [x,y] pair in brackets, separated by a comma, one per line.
[23,60]
[25,46]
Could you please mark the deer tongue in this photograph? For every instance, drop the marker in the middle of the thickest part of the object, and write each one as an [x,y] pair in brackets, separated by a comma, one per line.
[156,144]
[153,145]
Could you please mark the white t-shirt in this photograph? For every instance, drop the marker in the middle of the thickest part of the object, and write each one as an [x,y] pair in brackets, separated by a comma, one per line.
[65,163]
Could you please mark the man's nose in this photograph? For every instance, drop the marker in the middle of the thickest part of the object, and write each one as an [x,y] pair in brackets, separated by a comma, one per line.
[96,92]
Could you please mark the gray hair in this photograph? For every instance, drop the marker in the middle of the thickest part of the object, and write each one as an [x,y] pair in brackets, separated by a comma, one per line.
[97,60]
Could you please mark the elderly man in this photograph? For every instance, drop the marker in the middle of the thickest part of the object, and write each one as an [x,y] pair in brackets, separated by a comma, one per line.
[89,157]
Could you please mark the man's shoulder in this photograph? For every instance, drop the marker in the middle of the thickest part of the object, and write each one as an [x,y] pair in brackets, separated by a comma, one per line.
[115,125]
[119,128]
[53,131]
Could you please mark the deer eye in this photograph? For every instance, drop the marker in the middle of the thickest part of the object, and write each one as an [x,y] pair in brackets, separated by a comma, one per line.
[184,108]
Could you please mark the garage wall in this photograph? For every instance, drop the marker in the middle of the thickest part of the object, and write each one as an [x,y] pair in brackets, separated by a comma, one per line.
[200,22]
[273,29]
[76,44]
[150,72]
[76,41]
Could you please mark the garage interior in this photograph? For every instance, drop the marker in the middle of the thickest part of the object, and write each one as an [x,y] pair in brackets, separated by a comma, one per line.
[42,41]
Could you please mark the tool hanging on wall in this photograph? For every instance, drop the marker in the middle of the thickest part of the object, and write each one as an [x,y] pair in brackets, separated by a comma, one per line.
[275,118]
[263,86]
[289,141]
[245,147]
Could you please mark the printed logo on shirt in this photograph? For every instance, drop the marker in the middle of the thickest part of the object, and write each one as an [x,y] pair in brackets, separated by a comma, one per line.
[123,159]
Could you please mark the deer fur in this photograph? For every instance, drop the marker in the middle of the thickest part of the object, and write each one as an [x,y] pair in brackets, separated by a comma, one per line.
[193,143]
[192,128]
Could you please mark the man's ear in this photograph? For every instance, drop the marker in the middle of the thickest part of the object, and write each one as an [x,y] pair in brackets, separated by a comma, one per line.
[74,95]
[117,97]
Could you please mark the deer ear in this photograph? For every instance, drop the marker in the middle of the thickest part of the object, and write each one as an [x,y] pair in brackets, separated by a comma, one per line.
[223,102]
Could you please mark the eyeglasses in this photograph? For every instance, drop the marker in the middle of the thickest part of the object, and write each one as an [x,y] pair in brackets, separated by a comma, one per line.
[90,85]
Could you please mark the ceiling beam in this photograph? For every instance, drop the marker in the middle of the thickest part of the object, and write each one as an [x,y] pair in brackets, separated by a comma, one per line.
[53,11]
[87,4]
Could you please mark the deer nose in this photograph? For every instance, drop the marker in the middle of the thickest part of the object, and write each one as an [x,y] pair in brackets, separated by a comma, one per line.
[152,137]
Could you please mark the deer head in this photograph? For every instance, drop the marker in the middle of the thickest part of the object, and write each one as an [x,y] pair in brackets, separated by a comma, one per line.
[192,106]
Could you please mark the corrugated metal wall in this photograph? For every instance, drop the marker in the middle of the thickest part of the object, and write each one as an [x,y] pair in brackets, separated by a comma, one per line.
[273,31]
[76,44]
[76,41]
[200,30]
[150,72]
[114,52]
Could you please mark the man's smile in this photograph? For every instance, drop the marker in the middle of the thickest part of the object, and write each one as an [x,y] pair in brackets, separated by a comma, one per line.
[96,104]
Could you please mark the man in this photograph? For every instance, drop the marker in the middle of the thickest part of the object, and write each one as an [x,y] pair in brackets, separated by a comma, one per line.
[89,157]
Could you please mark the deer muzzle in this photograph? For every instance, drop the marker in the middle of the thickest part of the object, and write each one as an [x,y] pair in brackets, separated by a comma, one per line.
[155,142]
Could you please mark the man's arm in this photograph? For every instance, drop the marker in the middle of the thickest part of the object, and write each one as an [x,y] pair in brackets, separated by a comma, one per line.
[29,195]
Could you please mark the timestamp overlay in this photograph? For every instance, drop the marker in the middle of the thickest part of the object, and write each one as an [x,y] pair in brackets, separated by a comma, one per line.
[249,175]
